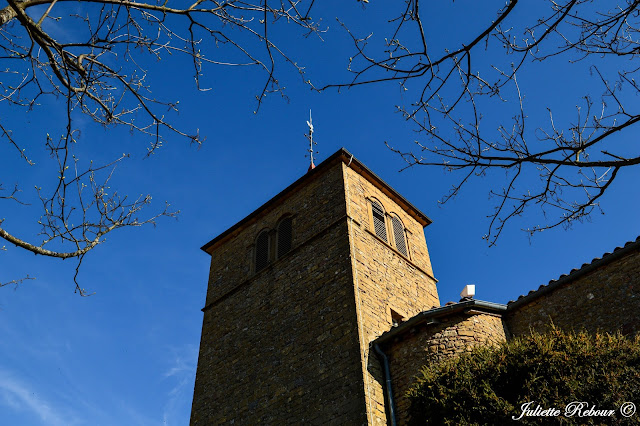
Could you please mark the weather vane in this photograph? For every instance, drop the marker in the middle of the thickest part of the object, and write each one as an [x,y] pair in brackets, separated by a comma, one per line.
[311,142]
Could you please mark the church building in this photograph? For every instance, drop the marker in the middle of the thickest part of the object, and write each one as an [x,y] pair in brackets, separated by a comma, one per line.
[322,306]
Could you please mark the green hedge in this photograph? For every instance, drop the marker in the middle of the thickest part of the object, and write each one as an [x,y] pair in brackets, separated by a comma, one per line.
[489,385]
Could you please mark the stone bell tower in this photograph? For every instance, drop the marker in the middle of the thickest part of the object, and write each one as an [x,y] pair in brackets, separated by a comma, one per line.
[297,292]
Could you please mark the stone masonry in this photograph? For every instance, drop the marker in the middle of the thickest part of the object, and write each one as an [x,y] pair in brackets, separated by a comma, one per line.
[384,279]
[335,330]
[434,336]
[603,295]
[281,346]
[290,343]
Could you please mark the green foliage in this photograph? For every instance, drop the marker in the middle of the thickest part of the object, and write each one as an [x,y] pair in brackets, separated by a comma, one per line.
[489,385]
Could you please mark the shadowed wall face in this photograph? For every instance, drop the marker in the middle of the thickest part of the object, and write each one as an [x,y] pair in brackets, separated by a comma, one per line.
[281,345]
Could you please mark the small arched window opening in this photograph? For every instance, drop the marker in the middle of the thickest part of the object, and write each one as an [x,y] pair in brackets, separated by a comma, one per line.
[399,235]
[284,236]
[378,220]
[262,250]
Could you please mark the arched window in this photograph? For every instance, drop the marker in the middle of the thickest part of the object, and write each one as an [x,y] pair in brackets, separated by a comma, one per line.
[399,235]
[378,220]
[284,236]
[262,250]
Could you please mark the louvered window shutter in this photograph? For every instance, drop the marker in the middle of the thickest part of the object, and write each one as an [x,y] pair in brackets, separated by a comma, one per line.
[398,235]
[378,220]
[284,236]
[262,251]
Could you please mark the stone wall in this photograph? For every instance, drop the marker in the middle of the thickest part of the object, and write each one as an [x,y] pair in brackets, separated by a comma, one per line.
[315,206]
[384,279]
[601,296]
[604,299]
[290,344]
[431,343]
[281,346]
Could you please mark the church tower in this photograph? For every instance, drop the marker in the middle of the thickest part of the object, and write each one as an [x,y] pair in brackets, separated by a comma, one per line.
[297,292]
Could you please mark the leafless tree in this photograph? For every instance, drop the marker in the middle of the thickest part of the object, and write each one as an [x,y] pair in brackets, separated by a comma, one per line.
[90,54]
[453,91]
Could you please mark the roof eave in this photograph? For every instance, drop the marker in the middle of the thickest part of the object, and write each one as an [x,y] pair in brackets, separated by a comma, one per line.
[574,275]
[443,311]
[347,158]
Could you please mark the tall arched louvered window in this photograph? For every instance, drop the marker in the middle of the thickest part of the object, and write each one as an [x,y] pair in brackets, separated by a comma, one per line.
[378,220]
[262,250]
[284,236]
[399,236]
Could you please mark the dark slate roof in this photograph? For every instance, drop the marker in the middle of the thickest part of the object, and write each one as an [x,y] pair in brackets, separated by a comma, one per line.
[606,258]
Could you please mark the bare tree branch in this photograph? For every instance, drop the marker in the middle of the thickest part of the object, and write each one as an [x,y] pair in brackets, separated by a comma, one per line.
[16,282]
[96,67]
[576,162]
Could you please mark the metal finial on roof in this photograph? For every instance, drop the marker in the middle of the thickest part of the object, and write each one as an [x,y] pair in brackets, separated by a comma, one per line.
[311,142]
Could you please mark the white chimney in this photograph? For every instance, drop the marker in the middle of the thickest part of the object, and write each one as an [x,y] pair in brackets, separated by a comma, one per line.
[468,291]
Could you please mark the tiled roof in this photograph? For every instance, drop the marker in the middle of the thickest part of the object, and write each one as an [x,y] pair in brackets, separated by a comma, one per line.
[606,258]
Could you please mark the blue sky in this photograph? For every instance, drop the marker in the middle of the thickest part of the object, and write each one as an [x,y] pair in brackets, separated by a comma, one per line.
[127,354]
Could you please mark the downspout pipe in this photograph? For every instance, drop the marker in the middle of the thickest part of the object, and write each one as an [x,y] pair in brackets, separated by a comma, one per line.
[384,360]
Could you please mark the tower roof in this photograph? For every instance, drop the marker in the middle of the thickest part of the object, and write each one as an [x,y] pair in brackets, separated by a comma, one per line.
[342,155]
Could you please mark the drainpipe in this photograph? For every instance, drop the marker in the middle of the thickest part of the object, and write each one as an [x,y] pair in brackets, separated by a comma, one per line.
[387,379]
